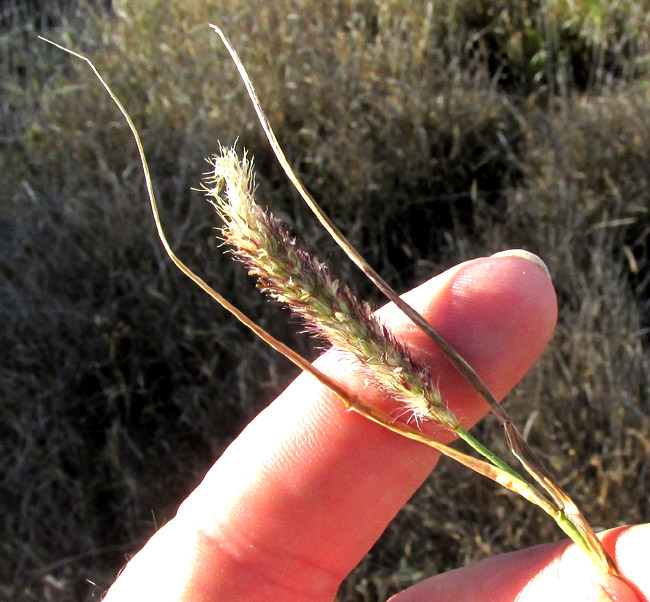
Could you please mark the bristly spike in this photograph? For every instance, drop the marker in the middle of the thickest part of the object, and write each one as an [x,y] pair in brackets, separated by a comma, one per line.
[328,308]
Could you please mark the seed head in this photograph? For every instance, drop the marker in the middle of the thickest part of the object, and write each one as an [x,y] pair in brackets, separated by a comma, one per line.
[328,308]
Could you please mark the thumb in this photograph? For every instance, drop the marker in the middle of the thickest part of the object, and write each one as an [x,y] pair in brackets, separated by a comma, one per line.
[559,572]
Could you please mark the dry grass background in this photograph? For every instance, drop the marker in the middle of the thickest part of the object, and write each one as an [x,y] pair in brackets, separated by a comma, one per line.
[431,132]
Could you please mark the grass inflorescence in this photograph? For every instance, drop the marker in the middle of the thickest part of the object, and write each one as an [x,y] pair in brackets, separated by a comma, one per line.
[328,307]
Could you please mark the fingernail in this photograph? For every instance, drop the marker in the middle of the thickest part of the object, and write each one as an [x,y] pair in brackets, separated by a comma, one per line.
[524,255]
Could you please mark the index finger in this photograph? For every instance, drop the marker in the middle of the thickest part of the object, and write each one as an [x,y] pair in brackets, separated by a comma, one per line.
[302,494]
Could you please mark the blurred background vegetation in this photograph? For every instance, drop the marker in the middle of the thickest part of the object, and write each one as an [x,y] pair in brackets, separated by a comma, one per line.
[432,132]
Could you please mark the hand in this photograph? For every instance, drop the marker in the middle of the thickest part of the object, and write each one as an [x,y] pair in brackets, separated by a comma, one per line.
[306,489]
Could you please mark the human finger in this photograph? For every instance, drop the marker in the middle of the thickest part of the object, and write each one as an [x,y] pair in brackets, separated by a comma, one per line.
[301,495]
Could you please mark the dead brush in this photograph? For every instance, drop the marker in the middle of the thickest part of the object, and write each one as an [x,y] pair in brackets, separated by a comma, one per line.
[331,310]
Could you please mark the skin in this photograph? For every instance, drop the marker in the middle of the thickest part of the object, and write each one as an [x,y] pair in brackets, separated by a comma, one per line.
[303,493]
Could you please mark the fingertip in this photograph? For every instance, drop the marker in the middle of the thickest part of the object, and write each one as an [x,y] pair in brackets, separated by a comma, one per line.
[498,312]
[629,547]
[506,301]
[522,253]
[531,293]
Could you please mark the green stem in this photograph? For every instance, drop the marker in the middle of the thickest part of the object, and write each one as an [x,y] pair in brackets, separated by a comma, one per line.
[564,522]
[489,455]
[558,515]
